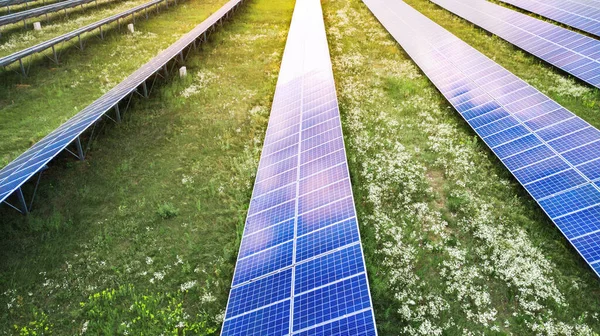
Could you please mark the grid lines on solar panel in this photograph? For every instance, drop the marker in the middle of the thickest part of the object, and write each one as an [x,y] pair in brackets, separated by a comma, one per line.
[583,16]
[547,159]
[567,50]
[300,252]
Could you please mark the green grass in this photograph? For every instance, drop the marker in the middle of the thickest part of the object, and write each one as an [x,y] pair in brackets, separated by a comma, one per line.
[142,236]
[152,218]
[32,107]
[453,244]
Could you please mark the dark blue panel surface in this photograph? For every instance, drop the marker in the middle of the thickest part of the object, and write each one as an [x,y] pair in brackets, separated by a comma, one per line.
[263,263]
[272,320]
[328,268]
[346,297]
[327,239]
[589,246]
[360,324]
[259,293]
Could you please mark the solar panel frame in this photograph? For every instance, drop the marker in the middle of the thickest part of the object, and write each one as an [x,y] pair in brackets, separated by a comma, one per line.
[303,181]
[567,196]
[567,50]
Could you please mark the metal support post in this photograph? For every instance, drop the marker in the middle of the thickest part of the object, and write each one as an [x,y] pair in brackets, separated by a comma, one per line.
[22,67]
[79,148]
[55,55]
[80,42]
[117,113]
[181,56]
[101,33]
[145,88]
[22,203]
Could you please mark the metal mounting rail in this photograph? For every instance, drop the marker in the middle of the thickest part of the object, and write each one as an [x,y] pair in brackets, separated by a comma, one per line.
[39,11]
[8,3]
[52,43]
[35,159]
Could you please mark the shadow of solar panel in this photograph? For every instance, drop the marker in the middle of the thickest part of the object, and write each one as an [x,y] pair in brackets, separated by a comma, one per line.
[552,153]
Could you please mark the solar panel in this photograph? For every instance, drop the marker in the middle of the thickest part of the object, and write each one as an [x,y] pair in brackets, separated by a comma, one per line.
[5,3]
[14,57]
[35,159]
[554,154]
[567,50]
[584,16]
[300,268]
[55,7]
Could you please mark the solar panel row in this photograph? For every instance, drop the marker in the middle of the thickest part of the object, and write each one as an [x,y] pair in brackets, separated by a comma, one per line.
[55,7]
[583,16]
[554,154]
[19,55]
[572,52]
[4,3]
[300,267]
[23,168]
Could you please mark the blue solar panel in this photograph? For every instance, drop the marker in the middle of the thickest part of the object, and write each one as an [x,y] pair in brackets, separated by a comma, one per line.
[300,254]
[35,159]
[570,51]
[583,16]
[554,154]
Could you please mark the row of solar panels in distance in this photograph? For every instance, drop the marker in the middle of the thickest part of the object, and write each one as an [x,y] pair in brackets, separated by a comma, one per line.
[583,16]
[330,280]
[35,158]
[572,52]
[20,16]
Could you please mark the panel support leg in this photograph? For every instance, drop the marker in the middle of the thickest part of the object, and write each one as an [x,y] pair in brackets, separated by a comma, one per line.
[79,148]
[22,67]
[22,203]
[117,113]
[145,88]
[55,55]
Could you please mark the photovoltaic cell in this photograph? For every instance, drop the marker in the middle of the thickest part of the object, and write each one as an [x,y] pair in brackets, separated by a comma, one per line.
[300,267]
[583,16]
[567,50]
[555,159]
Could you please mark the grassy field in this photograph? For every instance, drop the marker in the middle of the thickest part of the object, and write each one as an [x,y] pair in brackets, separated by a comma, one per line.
[141,238]
[454,246]
[32,107]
